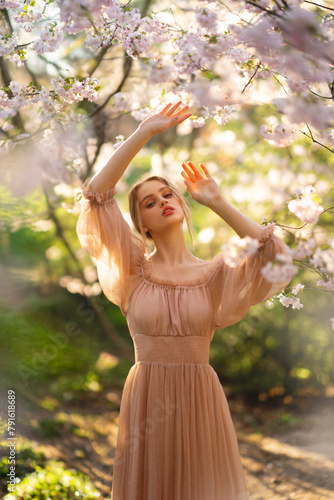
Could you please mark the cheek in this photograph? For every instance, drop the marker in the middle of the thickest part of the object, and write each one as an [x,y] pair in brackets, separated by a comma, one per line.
[146,216]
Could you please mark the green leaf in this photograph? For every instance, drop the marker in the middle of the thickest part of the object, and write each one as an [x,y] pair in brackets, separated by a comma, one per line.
[210,75]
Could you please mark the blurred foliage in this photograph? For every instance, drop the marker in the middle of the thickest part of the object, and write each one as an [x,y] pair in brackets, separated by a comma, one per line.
[54,482]
[27,458]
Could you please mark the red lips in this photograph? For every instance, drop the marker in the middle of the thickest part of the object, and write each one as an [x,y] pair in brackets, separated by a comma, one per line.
[167,207]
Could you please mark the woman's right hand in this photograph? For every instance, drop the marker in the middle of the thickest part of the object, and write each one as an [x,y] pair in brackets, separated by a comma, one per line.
[167,118]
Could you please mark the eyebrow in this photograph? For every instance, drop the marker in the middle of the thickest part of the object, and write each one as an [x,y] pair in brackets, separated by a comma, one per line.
[161,189]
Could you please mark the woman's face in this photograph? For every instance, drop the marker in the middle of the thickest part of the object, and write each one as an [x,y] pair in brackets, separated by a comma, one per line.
[154,197]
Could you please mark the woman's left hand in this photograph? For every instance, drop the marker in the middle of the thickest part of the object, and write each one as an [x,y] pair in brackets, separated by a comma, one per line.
[205,190]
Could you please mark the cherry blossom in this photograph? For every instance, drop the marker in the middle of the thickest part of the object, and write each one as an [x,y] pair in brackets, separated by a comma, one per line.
[8,43]
[206,18]
[290,301]
[324,259]
[8,4]
[304,206]
[237,249]
[304,249]
[297,288]
[306,109]
[279,270]
[279,135]
[327,284]
[50,38]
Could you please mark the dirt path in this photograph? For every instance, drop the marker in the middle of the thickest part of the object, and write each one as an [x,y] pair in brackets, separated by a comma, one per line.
[296,462]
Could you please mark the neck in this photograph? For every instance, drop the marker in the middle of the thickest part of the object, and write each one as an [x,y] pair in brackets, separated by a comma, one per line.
[170,248]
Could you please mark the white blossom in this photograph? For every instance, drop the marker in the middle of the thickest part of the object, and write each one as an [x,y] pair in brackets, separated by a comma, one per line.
[297,288]
[290,301]
[304,206]
[237,249]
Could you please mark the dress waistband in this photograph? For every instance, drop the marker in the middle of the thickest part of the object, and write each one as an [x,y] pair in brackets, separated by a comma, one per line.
[171,349]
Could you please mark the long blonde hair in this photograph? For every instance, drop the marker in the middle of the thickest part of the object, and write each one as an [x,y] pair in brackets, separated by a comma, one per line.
[134,206]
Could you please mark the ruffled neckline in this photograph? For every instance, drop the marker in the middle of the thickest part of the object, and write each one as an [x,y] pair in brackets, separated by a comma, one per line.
[202,272]
[208,268]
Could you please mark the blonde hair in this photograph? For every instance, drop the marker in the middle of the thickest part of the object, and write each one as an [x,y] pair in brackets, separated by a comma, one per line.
[134,206]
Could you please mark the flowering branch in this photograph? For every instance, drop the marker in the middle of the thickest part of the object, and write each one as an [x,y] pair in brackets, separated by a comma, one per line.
[314,140]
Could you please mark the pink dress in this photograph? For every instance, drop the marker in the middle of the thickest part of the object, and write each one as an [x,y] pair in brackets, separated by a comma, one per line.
[176,439]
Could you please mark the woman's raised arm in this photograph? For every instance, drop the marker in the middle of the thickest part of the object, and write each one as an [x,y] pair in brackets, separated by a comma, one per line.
[110,174]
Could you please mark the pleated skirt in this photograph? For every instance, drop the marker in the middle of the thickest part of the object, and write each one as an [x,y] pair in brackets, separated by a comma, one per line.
[176,439]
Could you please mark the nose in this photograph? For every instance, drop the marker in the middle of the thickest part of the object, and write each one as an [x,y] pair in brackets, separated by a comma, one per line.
[162,201]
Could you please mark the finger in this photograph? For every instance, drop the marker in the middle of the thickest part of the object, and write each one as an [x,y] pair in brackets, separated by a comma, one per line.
[187,185]
[194,169]
[182,111]
[173,108]
[166,108]
[205,170]
[184,117]
[180,119]
[190,174]
[189,188]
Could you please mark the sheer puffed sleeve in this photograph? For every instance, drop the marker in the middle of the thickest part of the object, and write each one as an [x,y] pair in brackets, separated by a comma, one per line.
[235,289]
[104,234]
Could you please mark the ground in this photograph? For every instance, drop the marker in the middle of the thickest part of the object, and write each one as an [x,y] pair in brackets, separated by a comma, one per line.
[287,451]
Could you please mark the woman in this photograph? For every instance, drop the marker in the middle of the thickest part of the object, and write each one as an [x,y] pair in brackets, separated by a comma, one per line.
[176,439]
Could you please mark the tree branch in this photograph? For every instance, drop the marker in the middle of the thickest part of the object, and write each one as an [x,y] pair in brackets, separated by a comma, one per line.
[318,5]
[314,140]
[126,68]
[251,78]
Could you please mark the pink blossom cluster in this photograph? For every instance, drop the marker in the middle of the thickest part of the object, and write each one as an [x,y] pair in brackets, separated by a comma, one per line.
[290,301]
[27,16]
[296,45]
[298,86]
[129,29]
[237,249]
[78,15]
[50,38]
[279,135]
[280,269]
[324,259]
[327,284]
[8,44]
[159,70]
[73,90]
[306,108]
[207,18]
[222,114]
[8,4]
[305,207]
[304,249]
[65,92]
[195,51]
